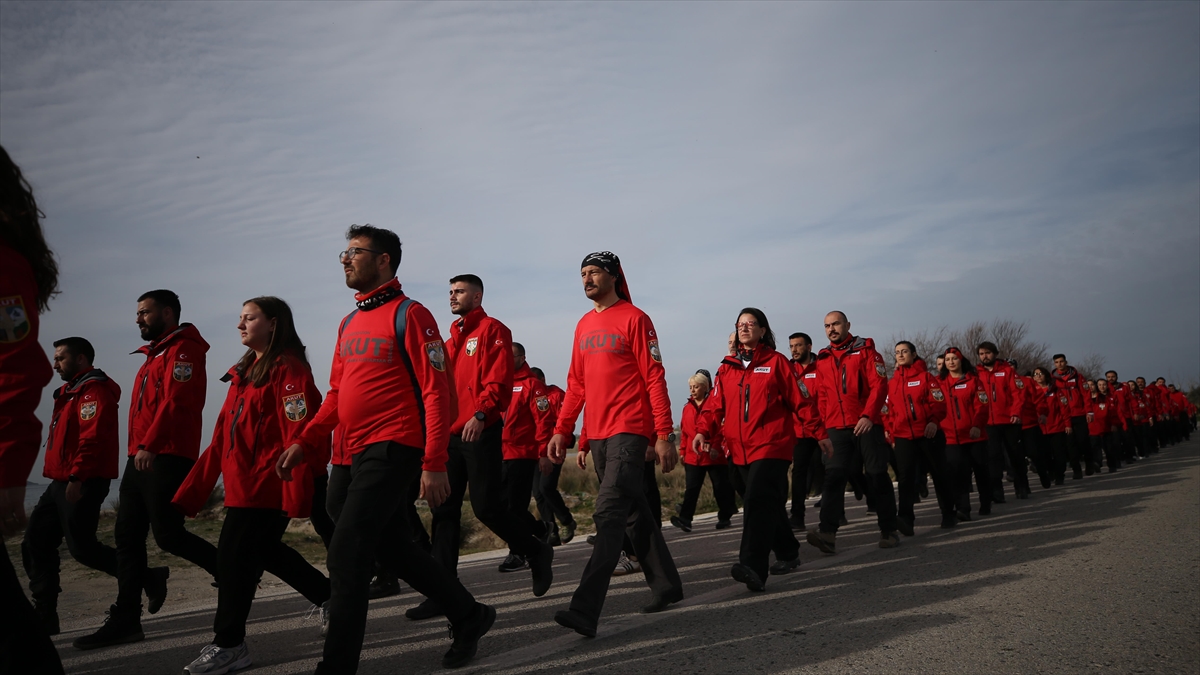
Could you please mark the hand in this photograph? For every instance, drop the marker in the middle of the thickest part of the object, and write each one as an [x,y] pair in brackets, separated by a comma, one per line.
[74,491]
[666,455]
[931,430]
[12,510]
[699,443]
[290,458]
[975,432]
[556,449]
[651,455]
[581,460]
[1015,419]
[143,461]
[472,430]
[826,446]
[545,466]
[1091,417]
[1068,429]
[435,487]
[864,425]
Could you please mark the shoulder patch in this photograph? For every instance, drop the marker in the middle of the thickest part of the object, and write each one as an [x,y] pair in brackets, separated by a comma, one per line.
[295,407]
[472,346]
[654,352]
[982,396]
[937,394]
[1019,383]
[87,411]
[14,321]
[543,404]
[880,369]
[436,353]
[182,372]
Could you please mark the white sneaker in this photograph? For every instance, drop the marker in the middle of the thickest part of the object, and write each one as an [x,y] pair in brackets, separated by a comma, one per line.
[216,660]
[626,565]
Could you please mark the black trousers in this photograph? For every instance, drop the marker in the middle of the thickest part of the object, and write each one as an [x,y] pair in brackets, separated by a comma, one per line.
[722,489]
[802,460]
[320,518]
[549,500]
[516,479]
[1144,436]
[622,506]
[362,509]
[848,451]
[146,505]
[1080,449]
[1033,446]
[1004,440]
[1057,451]
[250,541]
[972,457]
[765,525]
[1106,443]
[24,645]
[479,465]
[53,519]
[929,453]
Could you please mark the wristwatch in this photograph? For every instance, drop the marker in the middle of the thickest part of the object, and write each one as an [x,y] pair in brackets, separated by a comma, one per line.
[480,416]
[72,478]
[667,437]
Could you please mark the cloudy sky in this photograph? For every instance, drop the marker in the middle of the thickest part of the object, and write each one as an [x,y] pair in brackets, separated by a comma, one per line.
[913,164]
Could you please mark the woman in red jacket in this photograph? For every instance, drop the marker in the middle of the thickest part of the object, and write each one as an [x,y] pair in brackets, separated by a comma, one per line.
[1056,424]
[1103,424]
[752,406]
[271,397]
[1033,410]
[914,408]
[697,465]
[966,441]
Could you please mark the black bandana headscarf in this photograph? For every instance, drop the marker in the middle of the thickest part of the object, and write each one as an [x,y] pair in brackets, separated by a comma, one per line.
[609,262]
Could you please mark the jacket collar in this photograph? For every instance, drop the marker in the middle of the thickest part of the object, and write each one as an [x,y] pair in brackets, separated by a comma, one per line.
[468,322]
[90,374]
[160,344]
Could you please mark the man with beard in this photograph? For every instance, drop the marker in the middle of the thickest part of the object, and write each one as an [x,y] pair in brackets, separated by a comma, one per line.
[1071,382]
[1004,421]
[809,430]
[1121,397]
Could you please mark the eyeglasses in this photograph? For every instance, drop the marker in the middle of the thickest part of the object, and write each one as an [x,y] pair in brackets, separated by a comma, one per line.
[349,253]
[748,325]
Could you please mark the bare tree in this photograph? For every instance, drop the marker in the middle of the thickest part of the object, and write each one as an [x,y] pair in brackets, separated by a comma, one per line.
[967,339]
[1091,366]
[929,343]
[1011,338]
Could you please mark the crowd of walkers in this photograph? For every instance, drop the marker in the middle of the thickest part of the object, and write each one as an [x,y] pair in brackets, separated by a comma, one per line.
[409,416]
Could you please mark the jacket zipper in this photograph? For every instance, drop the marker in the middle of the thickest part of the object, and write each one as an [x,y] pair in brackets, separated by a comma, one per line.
[142,389]
[233,425]
[746,405]
[843,366]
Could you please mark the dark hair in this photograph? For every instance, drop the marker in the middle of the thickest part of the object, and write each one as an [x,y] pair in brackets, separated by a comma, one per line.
[1045,374]
[802,336]
[537,372]
[283,340]
[469,279]
[988,345]
[912,348]
[519,347]
[381,240]
[967,367]
[1113,372]
[79,347]
[20,228]
[163,298]
[768,337]
[1058,356]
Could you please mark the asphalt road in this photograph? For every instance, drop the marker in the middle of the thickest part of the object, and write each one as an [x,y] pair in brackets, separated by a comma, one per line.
[1101,575]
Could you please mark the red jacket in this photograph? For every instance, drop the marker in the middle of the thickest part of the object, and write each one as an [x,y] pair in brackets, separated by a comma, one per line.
[966,407]
[1000,385]
[83,438]
[1121,402]
[915,398]
[254,426]
[529,422]
[1071,383]
[616,368]
[479,350]
[379,392]
[1159,396]
[1058,409]
[1179,403]
[1104,414]
[850,383]
[24,369]
[1139,407]
[1033,405]
[753,406]
[687,431]
[808,423]
[168,395]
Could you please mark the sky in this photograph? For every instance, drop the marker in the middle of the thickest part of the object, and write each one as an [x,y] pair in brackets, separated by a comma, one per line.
[913,164]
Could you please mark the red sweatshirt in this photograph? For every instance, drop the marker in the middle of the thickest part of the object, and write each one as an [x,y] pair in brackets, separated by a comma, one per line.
[1000,385]
[379,391]
[687,431]
[915,398]
[168,395]
[850,383]
[529,422]
[808,423]
[753,407]
[254,426]
[616,368]
[83,438]
[1058,409]
[966,407]
[1071,383]
[24,369]
[479,350]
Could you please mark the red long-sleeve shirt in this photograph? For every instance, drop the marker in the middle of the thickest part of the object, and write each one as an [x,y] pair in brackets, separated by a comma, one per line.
[24,369]
[1058,409]
[83,439]
[1071,384]
[808,423]
[479,350]
[687,431]
[380,390]
[165,411]
[616,368]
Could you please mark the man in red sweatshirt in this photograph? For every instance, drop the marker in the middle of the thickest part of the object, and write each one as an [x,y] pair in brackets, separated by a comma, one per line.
[1004,421]
[1069,380]
[480,359]
[389,391]
[616,369]
[852,390]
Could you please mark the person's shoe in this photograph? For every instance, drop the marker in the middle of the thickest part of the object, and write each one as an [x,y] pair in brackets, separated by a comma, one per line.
[724,524]
[825,541]
[682,524]
[426,610]
[889,540]
[513,563]
[156,588]
[985,510]
[964,516]
[1045,478]
[905,526]
[324,618]
[47,614]
[1090,469]
[626,565]
[923,490]
[554,539]
[542,567]
[858,495]
[467,634]
[785,566]
[745,575]
[570,533]
[569,618]
[662,602]
[383,586]
[949,522]
[119,628]
[843,521]
[1024,494]
[216,660]
[547,530]
[797,523]
[591,540]
[1060,481]
[1076,474]
[998,498]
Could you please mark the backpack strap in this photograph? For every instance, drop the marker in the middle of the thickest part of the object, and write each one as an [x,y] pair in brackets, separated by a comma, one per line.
[346,322]
[401,320]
